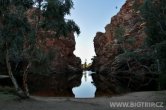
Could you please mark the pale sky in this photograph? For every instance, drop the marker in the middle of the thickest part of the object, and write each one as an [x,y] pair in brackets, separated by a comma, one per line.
[92,16]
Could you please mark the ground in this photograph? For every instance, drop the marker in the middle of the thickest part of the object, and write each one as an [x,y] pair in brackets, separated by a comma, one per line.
[99,103]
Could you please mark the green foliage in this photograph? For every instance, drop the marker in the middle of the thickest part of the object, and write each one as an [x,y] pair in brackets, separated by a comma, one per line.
[127,55]
[138,56]
[14,27]
[19,38]
[136,5]
[50,16]
[26,4]
[54,12]
[41,61]
[154,14]
[15,30]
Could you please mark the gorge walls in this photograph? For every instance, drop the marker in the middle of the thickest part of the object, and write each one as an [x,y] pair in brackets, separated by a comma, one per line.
[117,51]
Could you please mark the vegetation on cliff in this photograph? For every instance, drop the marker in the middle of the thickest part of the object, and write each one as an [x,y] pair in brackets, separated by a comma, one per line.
[19,39]
[154,14]
[130,55]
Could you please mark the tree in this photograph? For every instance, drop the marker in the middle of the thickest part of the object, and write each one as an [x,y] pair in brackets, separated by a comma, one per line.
[154,14]
[50,17]
[19,38]
[54,12]
[85,64]
[13,29]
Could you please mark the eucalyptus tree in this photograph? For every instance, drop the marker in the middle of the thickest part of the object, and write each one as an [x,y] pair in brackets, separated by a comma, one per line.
[19,38]
[14,28]
[49,17]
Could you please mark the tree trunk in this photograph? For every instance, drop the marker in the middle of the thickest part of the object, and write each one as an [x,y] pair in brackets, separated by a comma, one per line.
[25,75]
[20,93]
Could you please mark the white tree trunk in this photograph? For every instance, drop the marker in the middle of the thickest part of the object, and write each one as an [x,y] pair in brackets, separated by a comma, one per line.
[17,88]
[25,78]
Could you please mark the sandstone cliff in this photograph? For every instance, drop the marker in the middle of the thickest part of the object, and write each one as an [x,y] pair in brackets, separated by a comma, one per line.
[125,33]
[128,20]
[65,66]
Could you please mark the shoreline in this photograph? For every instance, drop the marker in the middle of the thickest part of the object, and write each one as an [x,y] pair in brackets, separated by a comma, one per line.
[70,103]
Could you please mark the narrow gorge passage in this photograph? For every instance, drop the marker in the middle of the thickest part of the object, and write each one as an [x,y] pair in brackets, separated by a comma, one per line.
[90,19]
[87,88]
[121,60]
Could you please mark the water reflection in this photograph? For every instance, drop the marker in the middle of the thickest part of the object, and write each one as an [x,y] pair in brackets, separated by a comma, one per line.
[87,88]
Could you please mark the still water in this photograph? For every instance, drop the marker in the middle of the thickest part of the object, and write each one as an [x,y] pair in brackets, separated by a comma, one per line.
[87,88]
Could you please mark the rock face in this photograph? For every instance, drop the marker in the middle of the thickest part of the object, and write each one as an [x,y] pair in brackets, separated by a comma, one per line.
[107,45]
[64,59]
[124,34]
[63,47]
[65,66]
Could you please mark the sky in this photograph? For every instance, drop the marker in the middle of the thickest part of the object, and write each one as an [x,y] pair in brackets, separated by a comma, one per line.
[91,16]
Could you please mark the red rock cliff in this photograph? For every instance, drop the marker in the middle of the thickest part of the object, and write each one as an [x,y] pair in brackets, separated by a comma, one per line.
[124,34]
[64,59]
[129,23]
[65,67]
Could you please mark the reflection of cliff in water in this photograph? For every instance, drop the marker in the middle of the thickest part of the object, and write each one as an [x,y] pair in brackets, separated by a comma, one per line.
[103,84]
[54,85]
